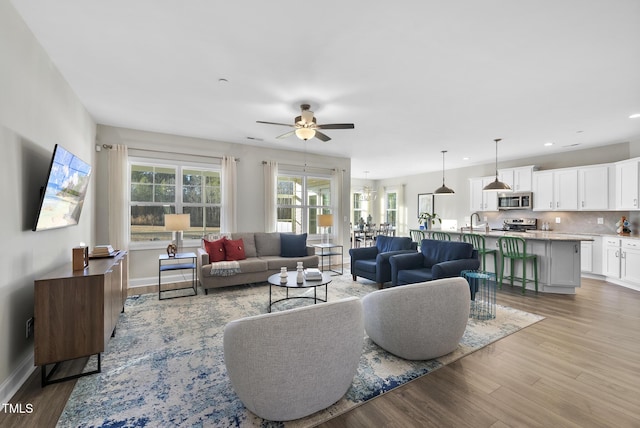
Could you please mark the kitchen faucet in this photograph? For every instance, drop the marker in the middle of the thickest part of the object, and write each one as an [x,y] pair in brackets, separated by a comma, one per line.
[477,215]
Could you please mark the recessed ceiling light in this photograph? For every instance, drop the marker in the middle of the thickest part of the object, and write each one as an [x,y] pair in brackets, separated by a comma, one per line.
[466,158]
[548,144]
[634,116]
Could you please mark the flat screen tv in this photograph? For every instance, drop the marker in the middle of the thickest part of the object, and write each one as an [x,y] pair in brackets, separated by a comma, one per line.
[62,198]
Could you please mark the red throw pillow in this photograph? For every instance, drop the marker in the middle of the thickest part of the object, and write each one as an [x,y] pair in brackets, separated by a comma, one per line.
[234,249]
[216,250]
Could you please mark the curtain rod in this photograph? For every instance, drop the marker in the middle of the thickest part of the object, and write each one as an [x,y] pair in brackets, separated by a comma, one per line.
[306,166]
[110,146]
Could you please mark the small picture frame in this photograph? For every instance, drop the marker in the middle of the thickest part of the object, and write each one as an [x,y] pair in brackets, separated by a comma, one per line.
[425,203]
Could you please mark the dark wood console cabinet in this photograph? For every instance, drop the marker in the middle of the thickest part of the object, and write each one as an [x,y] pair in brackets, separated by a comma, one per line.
[75,312]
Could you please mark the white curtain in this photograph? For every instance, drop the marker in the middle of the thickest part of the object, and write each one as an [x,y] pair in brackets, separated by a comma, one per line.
[339,208]
[118,205]
[229,195]
[270,180]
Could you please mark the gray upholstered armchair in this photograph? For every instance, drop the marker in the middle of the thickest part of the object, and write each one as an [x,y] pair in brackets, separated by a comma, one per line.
[287,365]
[373,262]
[418,321]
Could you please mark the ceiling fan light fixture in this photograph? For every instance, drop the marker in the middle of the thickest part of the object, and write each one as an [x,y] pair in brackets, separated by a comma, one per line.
[443,190]
[305,133]
[497,185]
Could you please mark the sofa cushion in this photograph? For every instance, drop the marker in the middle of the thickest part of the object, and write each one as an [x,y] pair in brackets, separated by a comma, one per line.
[249,243]
[215,249]
[234,248]
[277,262]
[435,251]
[293,245]
[392,243]
[267,244]
[252,264]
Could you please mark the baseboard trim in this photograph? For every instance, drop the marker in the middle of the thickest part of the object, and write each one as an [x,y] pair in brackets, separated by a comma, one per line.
[13,383]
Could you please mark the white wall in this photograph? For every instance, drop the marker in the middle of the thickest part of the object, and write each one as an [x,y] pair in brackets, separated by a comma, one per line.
[143,268]
[37,110]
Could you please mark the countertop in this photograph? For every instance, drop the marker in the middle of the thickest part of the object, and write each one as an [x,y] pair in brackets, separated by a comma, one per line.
[537,235]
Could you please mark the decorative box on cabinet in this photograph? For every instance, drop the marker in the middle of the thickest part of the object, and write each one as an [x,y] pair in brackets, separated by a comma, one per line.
[75,312]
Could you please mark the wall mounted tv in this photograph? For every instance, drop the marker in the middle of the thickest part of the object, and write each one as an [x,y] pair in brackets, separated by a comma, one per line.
[62,198]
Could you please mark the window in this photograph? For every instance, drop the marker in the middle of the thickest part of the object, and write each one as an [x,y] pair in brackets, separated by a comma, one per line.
[360,209]
[391,208]
[301,198]
[159,189]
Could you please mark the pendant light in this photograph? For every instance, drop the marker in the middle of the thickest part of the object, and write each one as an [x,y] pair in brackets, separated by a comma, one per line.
[497,185]
[443,190]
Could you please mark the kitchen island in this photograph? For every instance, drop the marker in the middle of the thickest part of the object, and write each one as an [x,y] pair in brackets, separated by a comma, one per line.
[558,258]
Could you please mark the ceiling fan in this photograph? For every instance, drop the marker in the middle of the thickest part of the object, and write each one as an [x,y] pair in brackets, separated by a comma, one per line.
[306,127]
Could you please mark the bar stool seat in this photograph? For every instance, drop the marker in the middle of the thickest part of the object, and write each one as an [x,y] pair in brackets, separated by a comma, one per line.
[515,248]
[478,243]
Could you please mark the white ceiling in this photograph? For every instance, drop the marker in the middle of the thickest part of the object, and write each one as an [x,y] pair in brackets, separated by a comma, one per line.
[416,78]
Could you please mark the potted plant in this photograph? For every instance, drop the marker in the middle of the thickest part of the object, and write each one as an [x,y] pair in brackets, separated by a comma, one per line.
[426,219]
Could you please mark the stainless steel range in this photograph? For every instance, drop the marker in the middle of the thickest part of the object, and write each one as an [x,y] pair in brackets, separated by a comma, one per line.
[520,224]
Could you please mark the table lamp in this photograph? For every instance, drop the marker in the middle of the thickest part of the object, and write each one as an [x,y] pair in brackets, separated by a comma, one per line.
[326,221]
[177,223]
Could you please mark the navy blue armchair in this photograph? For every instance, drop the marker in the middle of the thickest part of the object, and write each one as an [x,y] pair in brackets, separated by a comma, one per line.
[373,262]
[436,259]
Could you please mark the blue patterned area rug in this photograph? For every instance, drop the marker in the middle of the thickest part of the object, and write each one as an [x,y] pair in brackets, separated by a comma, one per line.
[165,368]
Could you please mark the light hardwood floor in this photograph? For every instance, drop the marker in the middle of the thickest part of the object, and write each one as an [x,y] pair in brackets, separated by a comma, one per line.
[580,367]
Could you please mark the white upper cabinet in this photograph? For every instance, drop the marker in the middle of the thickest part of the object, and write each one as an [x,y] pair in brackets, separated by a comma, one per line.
[520,179]
[479,199]
[555,190]
[543,191]
[626,194]
[565,189]
[595,187]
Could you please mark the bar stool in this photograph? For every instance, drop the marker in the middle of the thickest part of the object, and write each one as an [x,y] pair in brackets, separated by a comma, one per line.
[515,248]
[479,244]
[417,235]
[440,236]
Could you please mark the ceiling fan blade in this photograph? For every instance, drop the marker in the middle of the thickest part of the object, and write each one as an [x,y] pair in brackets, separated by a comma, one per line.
[320,136]
[288,134]
[275,123]
[336,126]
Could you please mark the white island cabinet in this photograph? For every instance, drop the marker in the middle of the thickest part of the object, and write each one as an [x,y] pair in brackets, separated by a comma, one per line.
[559,258]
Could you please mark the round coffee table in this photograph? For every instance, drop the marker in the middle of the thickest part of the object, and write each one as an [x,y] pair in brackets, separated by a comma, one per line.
[275,280]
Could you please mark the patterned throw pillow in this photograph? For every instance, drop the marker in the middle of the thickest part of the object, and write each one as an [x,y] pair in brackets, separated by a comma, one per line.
[234,249]
[215,249]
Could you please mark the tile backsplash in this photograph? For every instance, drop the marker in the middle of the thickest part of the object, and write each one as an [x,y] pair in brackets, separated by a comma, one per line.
[570,221]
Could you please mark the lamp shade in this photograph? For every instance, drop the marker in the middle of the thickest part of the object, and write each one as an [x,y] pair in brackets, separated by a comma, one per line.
[325,220]
[177,222]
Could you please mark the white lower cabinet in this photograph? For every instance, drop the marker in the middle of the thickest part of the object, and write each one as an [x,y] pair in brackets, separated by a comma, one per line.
[630,260]
[611,257]
[591,256]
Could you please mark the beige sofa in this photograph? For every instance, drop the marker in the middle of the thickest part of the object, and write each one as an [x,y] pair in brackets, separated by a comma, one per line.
[263,259]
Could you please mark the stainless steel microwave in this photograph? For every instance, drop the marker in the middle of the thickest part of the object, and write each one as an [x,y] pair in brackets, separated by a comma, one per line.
[515,201]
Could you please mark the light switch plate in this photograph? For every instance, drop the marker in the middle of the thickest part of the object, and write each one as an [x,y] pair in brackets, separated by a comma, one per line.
[600,220]
[557,219]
